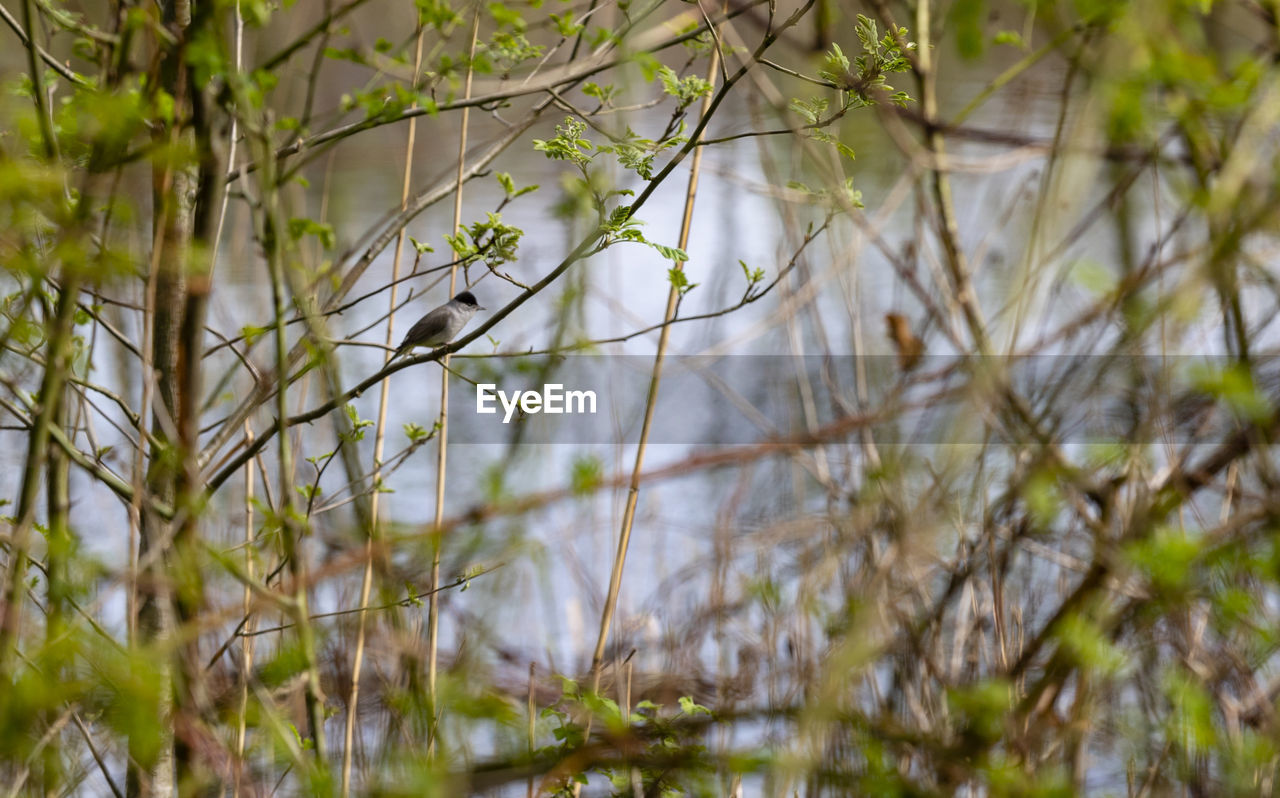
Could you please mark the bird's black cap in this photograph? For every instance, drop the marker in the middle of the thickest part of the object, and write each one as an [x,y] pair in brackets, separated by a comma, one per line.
[467,298]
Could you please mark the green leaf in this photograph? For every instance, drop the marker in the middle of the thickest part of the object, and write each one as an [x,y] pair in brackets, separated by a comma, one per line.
[670,253]
[251,332]
[1166,558]
[981,707]
[811,110]
[1234,386]
[686,89]
[345,54]
[509,187]
[1043,496]
[648,63]
[1088,645]
[1011,38]
[827,138]
[315,460]
[504,14]
[568,144]
[836,63]
[967,17]
[587,473]
[357,424]
[680,281]
[689,707]
[565,24]
[510,50]
[301,226]
[411,595]
[437,14]
[602,93]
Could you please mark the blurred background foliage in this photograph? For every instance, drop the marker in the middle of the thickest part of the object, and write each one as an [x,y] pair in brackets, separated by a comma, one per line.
[1007,267]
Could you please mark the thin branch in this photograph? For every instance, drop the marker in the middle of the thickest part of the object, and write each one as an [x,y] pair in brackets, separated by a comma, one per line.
[45,55]
[414,599]
[379,438]
[442,440]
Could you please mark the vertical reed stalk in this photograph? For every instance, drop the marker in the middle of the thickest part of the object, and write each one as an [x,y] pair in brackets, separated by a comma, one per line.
[58,500]
[533,669]
[290,528]
[433,607]
[152,768]
[246,657]
[655,378]
[57,572]
[51,386]
[637,782]
[59,550]
[957,266]
[233,137]
[137,467]
[379,434]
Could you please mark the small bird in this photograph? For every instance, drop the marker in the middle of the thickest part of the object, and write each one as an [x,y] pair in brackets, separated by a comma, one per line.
[910,348]
[441,325]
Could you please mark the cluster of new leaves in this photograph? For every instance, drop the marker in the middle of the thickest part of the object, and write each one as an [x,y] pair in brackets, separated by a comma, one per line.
[835,200]
[754,278]
[437,14]
[622,226]
[506,49]
[634,153]
[385,103]
[669,755]
[637,153]
[303,226]
[881,56]
[568,143]
[685,90]
[509,189]
[356,432]
[860,82]
[489,240]
[604,94]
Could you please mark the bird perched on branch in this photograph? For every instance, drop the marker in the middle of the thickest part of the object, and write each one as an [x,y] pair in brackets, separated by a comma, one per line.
[441,325]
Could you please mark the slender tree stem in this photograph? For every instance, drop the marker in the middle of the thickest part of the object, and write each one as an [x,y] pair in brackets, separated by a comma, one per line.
[246,658]
[956,262]
[655,379]
[379,437]
[290,524]
[59,551]
[433,605]
[51,385]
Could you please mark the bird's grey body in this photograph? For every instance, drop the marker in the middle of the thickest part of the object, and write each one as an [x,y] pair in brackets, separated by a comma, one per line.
[442,325]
